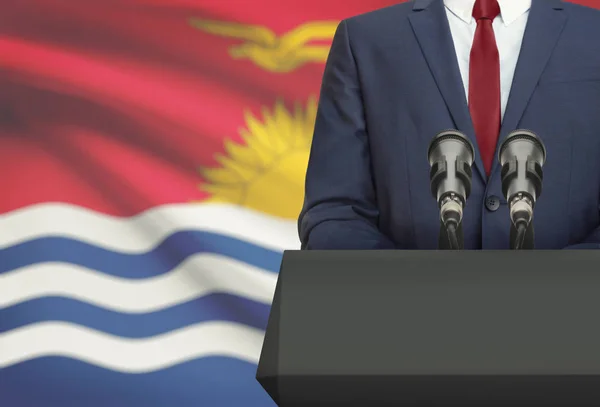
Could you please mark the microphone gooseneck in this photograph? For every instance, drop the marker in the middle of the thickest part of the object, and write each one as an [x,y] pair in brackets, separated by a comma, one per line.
[450,156]
[520,236]
[451,230]
[522,156]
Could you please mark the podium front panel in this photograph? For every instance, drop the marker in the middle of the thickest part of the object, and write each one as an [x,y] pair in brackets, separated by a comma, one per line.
[423,327]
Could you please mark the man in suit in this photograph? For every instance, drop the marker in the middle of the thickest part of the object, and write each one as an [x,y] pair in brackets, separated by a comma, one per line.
[398,76]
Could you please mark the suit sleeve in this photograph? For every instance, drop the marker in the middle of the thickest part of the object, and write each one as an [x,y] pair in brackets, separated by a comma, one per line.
[340,210]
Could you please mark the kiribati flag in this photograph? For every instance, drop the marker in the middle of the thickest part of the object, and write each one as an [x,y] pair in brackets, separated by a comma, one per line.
[152,156]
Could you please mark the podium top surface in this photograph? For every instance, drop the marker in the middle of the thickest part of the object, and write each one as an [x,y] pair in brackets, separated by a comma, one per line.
[438,312]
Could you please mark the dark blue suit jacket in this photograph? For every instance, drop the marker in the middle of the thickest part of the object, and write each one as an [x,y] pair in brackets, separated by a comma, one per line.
[392,83]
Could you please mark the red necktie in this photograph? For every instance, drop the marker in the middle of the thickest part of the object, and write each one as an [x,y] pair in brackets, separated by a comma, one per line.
[484,81]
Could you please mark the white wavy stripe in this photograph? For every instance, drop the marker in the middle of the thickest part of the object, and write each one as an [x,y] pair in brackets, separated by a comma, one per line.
[130,355]
[197,276]
[143,232]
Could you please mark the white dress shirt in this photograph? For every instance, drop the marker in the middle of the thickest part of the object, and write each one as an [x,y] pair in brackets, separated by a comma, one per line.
[509,28]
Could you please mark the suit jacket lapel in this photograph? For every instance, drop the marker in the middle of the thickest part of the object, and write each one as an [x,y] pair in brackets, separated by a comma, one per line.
[430,25]
[544,26]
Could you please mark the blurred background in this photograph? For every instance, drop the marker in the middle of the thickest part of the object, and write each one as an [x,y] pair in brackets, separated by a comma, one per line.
[152,160]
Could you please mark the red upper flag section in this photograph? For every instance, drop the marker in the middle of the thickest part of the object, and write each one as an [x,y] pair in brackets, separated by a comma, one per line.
[116,104]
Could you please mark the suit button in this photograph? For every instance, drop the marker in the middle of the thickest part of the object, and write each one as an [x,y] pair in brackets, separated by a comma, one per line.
[492,203]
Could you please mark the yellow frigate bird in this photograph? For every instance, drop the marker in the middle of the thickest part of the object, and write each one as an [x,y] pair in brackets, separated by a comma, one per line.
[271,52]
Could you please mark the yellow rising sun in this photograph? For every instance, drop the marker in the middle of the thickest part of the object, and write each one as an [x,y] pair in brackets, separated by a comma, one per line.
[267,172]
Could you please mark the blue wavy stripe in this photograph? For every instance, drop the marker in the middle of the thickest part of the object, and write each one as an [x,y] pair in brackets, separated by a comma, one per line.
[164,257]
[222,307]
[61,382]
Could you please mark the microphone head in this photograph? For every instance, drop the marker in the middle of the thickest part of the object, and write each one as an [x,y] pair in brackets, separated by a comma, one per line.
[522,155]
[450,156]
[451,142]
[522,144]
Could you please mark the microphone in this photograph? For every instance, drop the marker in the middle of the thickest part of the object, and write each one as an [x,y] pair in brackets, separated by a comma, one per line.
[522,156]
[450,156]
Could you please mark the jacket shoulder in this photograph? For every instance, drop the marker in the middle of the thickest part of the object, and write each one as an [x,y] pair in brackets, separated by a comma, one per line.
[391,15]
[583,13]
[583,28]
[378,26]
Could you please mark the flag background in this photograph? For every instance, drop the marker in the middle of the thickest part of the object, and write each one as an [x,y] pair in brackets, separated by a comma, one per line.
[150,174]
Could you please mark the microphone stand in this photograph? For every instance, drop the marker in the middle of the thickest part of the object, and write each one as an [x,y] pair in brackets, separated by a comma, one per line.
[522,237]
[451,237]
[521,225]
